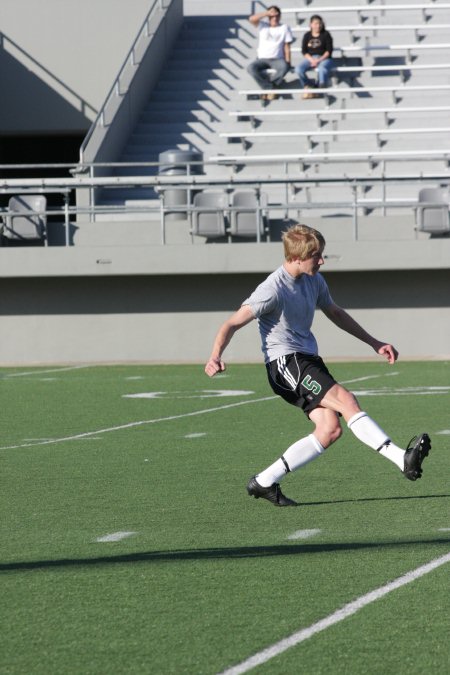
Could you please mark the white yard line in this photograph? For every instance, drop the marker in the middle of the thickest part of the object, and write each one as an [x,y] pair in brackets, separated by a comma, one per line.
[130,425]
[140,423]
[339,615]
[115,536]
[41,372]
[368,377]
[304,534]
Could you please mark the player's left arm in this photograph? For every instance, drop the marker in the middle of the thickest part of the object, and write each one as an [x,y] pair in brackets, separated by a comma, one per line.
[344,321]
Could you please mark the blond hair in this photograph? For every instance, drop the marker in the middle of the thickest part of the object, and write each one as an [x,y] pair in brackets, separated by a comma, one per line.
[301,241]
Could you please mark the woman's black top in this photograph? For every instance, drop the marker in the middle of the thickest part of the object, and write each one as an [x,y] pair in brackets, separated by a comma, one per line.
[317,46]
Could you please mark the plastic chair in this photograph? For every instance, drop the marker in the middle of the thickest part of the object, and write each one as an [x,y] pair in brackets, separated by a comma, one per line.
[248,219]
[433,219]
[210,221]
[30,223]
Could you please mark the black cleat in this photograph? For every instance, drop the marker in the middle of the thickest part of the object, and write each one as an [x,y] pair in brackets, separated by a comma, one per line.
[418,448]
[272,493]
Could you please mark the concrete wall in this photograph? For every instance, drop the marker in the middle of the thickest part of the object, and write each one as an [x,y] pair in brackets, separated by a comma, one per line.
[174,318]
[58,59]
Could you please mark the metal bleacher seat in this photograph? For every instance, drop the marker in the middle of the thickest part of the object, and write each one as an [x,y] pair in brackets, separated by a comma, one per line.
[209,215]
[26,220]
[314,134]
[433,211]
[376,7]
[320,114]
[248,217]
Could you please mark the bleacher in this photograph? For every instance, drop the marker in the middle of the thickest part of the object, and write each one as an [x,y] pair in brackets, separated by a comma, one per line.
[386,109]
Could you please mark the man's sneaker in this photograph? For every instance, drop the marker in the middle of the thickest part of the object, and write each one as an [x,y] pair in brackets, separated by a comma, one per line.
[418,448]
[272,493]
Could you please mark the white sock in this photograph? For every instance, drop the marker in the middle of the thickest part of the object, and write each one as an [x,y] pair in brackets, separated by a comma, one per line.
[372,435]
[298,454]
[394,453]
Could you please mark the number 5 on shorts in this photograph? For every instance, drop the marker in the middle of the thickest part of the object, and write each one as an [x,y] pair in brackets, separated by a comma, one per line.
[311,385]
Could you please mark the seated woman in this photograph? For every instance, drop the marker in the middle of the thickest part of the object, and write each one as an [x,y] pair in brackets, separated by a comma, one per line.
[317,47]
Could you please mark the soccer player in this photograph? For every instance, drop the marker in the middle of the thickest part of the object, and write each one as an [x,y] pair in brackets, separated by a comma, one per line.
[284,306]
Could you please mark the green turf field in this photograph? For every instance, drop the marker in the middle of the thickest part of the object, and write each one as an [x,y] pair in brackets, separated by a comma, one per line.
[202,577]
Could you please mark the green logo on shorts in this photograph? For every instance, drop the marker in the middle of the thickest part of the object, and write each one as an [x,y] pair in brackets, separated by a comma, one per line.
[311,385]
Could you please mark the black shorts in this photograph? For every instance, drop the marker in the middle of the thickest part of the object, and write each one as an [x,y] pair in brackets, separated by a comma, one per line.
[300,379]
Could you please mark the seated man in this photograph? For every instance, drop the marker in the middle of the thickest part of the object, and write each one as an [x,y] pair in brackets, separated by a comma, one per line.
[274,50]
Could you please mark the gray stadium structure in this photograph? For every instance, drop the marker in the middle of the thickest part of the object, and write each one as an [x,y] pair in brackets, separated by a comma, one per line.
[168,181]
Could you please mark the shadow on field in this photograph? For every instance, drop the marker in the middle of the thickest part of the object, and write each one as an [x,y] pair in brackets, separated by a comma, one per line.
[231,553]
[371,499]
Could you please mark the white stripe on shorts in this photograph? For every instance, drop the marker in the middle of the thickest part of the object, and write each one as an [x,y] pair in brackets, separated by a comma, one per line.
[284,371]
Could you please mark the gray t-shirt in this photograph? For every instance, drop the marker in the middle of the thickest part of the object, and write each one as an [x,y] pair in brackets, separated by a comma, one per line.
[284,307]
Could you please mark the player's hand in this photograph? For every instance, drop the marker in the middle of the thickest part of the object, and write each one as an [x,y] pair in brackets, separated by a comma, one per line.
[389,352]
[214,366]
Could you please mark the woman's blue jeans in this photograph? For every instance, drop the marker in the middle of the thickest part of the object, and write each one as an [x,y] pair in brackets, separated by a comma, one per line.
[323,72]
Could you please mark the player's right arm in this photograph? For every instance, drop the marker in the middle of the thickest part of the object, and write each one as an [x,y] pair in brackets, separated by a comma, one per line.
[238,320]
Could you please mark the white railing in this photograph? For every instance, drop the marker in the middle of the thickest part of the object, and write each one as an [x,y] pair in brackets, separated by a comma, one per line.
[290,183]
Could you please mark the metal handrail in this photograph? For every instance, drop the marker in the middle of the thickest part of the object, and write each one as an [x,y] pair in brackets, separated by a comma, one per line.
[69,212]
[115,87]
[65,186]
[220,160]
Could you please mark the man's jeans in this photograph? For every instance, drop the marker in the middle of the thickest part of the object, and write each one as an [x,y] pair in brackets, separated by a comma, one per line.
[323,71]
[258,70]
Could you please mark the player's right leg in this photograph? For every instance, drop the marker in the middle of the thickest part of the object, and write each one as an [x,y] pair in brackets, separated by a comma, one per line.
[409,461]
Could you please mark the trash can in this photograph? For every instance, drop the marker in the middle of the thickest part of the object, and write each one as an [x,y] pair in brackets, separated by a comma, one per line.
[176,163]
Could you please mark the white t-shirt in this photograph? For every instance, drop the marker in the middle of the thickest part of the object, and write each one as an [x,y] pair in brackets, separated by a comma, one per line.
[272,40]
[284,307]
